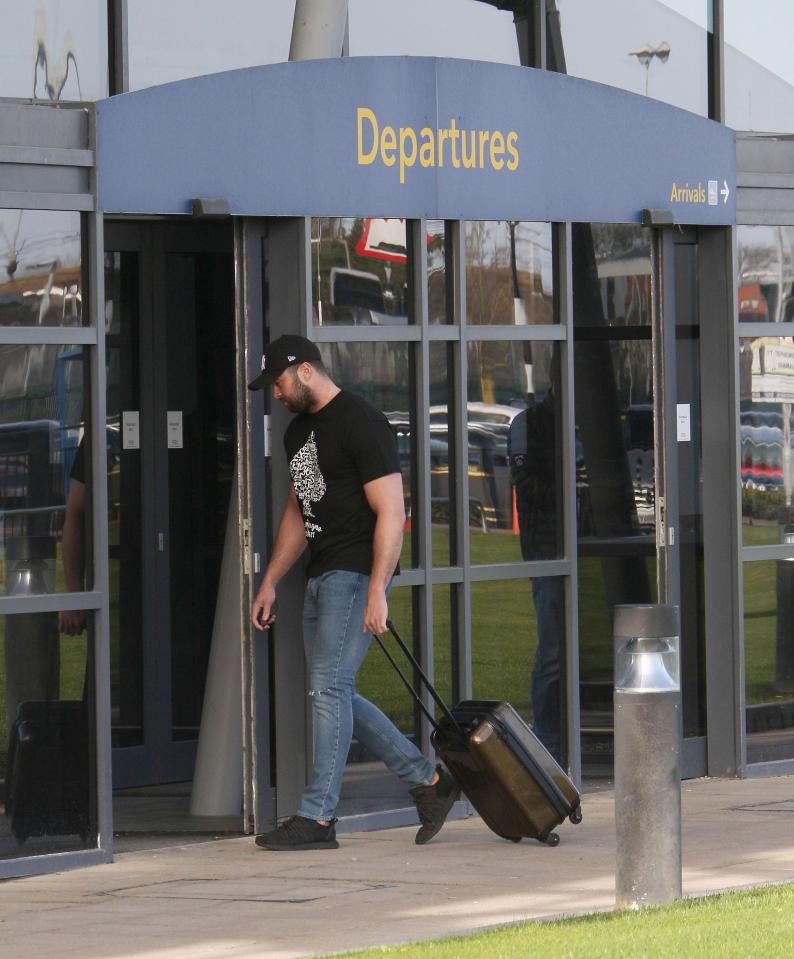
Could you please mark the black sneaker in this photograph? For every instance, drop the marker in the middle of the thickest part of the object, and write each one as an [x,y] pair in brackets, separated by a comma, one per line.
[297,832]
[434,803]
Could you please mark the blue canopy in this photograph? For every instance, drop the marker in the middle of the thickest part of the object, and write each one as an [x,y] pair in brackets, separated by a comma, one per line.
[411,137]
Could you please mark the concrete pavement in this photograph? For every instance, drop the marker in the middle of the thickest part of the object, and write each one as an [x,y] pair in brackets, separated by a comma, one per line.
[229,899]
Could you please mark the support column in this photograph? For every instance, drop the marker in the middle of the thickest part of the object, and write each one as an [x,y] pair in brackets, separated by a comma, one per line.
[318,29]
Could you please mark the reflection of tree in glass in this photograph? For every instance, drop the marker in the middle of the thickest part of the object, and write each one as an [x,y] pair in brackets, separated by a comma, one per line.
[13,246]
[55,73]
[504,272]
[436,272]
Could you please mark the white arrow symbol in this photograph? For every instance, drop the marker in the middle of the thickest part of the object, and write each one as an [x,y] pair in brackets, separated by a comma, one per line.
[725,192]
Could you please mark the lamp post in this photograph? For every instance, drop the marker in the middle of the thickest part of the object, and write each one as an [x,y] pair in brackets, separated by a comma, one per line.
[647,53]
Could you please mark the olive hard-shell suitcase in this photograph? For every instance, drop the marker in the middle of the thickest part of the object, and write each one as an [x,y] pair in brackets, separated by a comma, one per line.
[511,779]
[47,782]
[508,775]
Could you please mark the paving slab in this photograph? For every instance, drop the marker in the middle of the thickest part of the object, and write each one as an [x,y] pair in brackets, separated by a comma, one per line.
[228,898]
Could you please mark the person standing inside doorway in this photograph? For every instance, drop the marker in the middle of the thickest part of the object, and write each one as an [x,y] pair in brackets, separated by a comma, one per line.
[346,504]
[532,448]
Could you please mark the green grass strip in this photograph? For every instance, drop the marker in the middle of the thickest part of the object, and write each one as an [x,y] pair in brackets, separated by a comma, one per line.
[752,924]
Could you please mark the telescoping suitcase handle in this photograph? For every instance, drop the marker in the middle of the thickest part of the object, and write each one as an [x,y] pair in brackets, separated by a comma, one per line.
[409,686]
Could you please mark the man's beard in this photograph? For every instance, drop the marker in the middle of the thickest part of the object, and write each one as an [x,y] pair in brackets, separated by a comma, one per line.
[302,399]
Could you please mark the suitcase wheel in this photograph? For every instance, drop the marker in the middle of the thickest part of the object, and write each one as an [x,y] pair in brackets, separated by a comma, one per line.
[551,840]
[576,816]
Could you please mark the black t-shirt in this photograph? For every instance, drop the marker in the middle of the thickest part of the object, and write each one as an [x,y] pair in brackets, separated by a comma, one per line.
[332,454]
[532,447]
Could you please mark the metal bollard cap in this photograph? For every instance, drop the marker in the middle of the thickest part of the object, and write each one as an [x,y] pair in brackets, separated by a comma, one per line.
[648,620]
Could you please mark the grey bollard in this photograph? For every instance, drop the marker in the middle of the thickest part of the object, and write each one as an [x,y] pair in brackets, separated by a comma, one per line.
[647,755]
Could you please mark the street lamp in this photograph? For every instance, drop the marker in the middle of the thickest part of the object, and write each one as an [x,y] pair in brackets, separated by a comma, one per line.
[645,54]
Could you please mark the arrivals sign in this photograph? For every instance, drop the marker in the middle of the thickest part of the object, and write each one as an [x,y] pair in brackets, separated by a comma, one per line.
[411,137]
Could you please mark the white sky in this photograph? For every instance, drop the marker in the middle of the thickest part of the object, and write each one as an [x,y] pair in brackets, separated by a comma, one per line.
[764,30]
[171,39]
[450,28]
[695,10]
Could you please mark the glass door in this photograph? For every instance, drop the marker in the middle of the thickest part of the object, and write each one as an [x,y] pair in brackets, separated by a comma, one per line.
[615,444]
[639,475]
[690,499]
[170,408]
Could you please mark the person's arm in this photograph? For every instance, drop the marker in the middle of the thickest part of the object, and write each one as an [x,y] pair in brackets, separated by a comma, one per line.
[385,498]
[72,621]
[290,544]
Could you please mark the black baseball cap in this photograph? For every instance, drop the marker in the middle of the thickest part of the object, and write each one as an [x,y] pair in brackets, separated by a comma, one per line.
[286,351]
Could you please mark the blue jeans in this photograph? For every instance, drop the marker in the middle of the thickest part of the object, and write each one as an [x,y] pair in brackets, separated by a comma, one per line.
[335,643]
[548,594]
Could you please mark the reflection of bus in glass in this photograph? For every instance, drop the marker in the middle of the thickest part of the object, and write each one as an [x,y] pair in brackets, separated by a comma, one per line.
[766,275]
[40,414]
[762,447]
[753,306]
[356,288]
[358,299]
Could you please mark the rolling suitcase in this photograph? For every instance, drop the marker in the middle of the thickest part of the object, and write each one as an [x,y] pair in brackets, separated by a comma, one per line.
[47,784]
[510,778]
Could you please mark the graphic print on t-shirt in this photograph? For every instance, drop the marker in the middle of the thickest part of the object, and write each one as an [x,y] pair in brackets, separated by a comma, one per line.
[308,481]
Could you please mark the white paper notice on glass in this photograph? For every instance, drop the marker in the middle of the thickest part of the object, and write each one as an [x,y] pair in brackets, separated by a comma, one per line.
[175,429]
[130,430]
[683,418]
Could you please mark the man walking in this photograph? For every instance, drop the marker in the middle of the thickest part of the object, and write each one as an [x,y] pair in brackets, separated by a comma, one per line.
[346,503]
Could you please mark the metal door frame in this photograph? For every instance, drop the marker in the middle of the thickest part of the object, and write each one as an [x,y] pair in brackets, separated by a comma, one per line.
[253,459]
[66,180]
[135,764]
[289,309]
[666,460]
[718,753]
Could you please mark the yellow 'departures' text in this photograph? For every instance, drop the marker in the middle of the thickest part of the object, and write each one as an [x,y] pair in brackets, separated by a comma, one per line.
[404,147]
